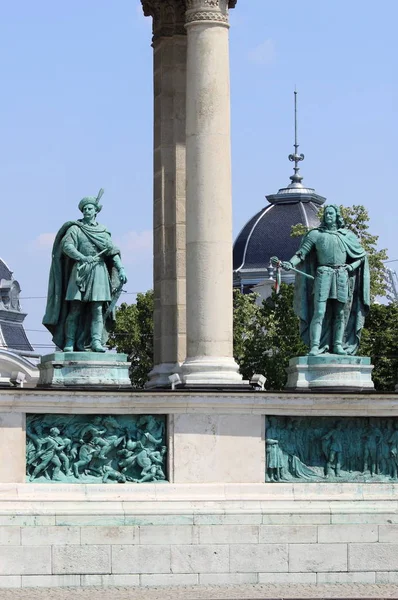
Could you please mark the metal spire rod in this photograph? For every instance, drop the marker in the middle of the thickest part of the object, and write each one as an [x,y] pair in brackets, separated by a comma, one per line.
[295,122]
[296,157]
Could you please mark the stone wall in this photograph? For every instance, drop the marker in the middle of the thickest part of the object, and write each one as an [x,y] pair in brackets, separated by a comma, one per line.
[208,541]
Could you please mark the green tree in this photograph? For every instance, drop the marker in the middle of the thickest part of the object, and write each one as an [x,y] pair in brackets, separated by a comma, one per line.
[247,329]
[380,341]
[357,219]
[266,337]
[133,335]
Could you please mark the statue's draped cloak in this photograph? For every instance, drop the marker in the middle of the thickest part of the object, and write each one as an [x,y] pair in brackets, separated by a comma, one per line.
[60,272]
[356,307]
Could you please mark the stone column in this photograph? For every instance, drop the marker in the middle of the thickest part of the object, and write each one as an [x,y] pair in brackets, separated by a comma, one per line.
[209,207]
[169,50]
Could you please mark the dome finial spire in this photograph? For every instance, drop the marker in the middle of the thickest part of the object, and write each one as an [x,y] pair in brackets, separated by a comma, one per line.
[296,157]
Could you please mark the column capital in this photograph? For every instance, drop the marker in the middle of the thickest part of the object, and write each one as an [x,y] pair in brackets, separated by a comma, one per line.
[168,17]
[208,10]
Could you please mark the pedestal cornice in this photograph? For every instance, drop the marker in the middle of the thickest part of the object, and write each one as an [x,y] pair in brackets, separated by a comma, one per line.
[168,17]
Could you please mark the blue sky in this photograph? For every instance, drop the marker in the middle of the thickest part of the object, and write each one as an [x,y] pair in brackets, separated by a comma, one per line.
[76,115]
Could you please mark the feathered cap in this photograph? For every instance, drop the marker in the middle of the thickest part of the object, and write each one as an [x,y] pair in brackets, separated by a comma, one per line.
[92,200]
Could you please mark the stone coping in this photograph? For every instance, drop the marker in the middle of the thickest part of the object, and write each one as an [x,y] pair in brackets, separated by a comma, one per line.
[125,402]
[223,497]
[72,591]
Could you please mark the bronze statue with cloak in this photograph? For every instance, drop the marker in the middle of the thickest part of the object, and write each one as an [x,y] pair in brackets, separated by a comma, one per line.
[86,278]
[332,286]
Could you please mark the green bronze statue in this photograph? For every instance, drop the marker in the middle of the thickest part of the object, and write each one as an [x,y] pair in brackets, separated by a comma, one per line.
[332,294]
[86,277]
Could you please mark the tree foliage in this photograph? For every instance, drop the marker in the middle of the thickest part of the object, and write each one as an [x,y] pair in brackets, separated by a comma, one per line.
[357,220]
[133,335]
[380,342]
[266,341]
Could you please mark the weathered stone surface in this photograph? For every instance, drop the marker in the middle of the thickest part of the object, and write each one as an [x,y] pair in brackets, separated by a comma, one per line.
[109,580]
[387,533]
[318,557]
[168,534]
[200,559]
[140,559]
[387,577]
[45,536]
[10,581]
[10,536]
[275,534]
[12,427]
[169,579]
[227,578]
[25,560]
[373,557]
[81,559]
[228,534]
[287,578]
[230,519]
[365,577]
[249,558]
[109,535]
[203,445]
[347,533]
[296,519]
[50,581]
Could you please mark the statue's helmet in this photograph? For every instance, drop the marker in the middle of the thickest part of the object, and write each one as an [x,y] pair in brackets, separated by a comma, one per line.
[92,200]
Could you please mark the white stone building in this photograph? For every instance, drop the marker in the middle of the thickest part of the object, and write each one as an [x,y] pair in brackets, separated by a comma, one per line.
[17,356]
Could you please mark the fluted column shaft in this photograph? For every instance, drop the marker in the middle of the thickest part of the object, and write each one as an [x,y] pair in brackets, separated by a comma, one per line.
[169,49]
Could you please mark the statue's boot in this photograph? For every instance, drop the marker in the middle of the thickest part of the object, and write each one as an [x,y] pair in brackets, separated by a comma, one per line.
[338,349]
[96,334]
[71,327]
[315,337]
[314,350]
[68,345]
[338,334]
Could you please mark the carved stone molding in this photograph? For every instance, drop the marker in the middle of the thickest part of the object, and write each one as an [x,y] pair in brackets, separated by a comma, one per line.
[208,10]
[168,17]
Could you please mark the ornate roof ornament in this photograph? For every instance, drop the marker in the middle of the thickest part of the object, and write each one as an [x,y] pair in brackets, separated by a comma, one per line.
[296,157]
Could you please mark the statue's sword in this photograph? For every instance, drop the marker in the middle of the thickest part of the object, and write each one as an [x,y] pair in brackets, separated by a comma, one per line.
[278,265]
[84,270]
[301,273]
[114,300]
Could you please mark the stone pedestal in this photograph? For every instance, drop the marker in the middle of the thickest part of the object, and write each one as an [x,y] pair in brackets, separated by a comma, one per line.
[330,372]
[205,535]
[77,369]
[215,521]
